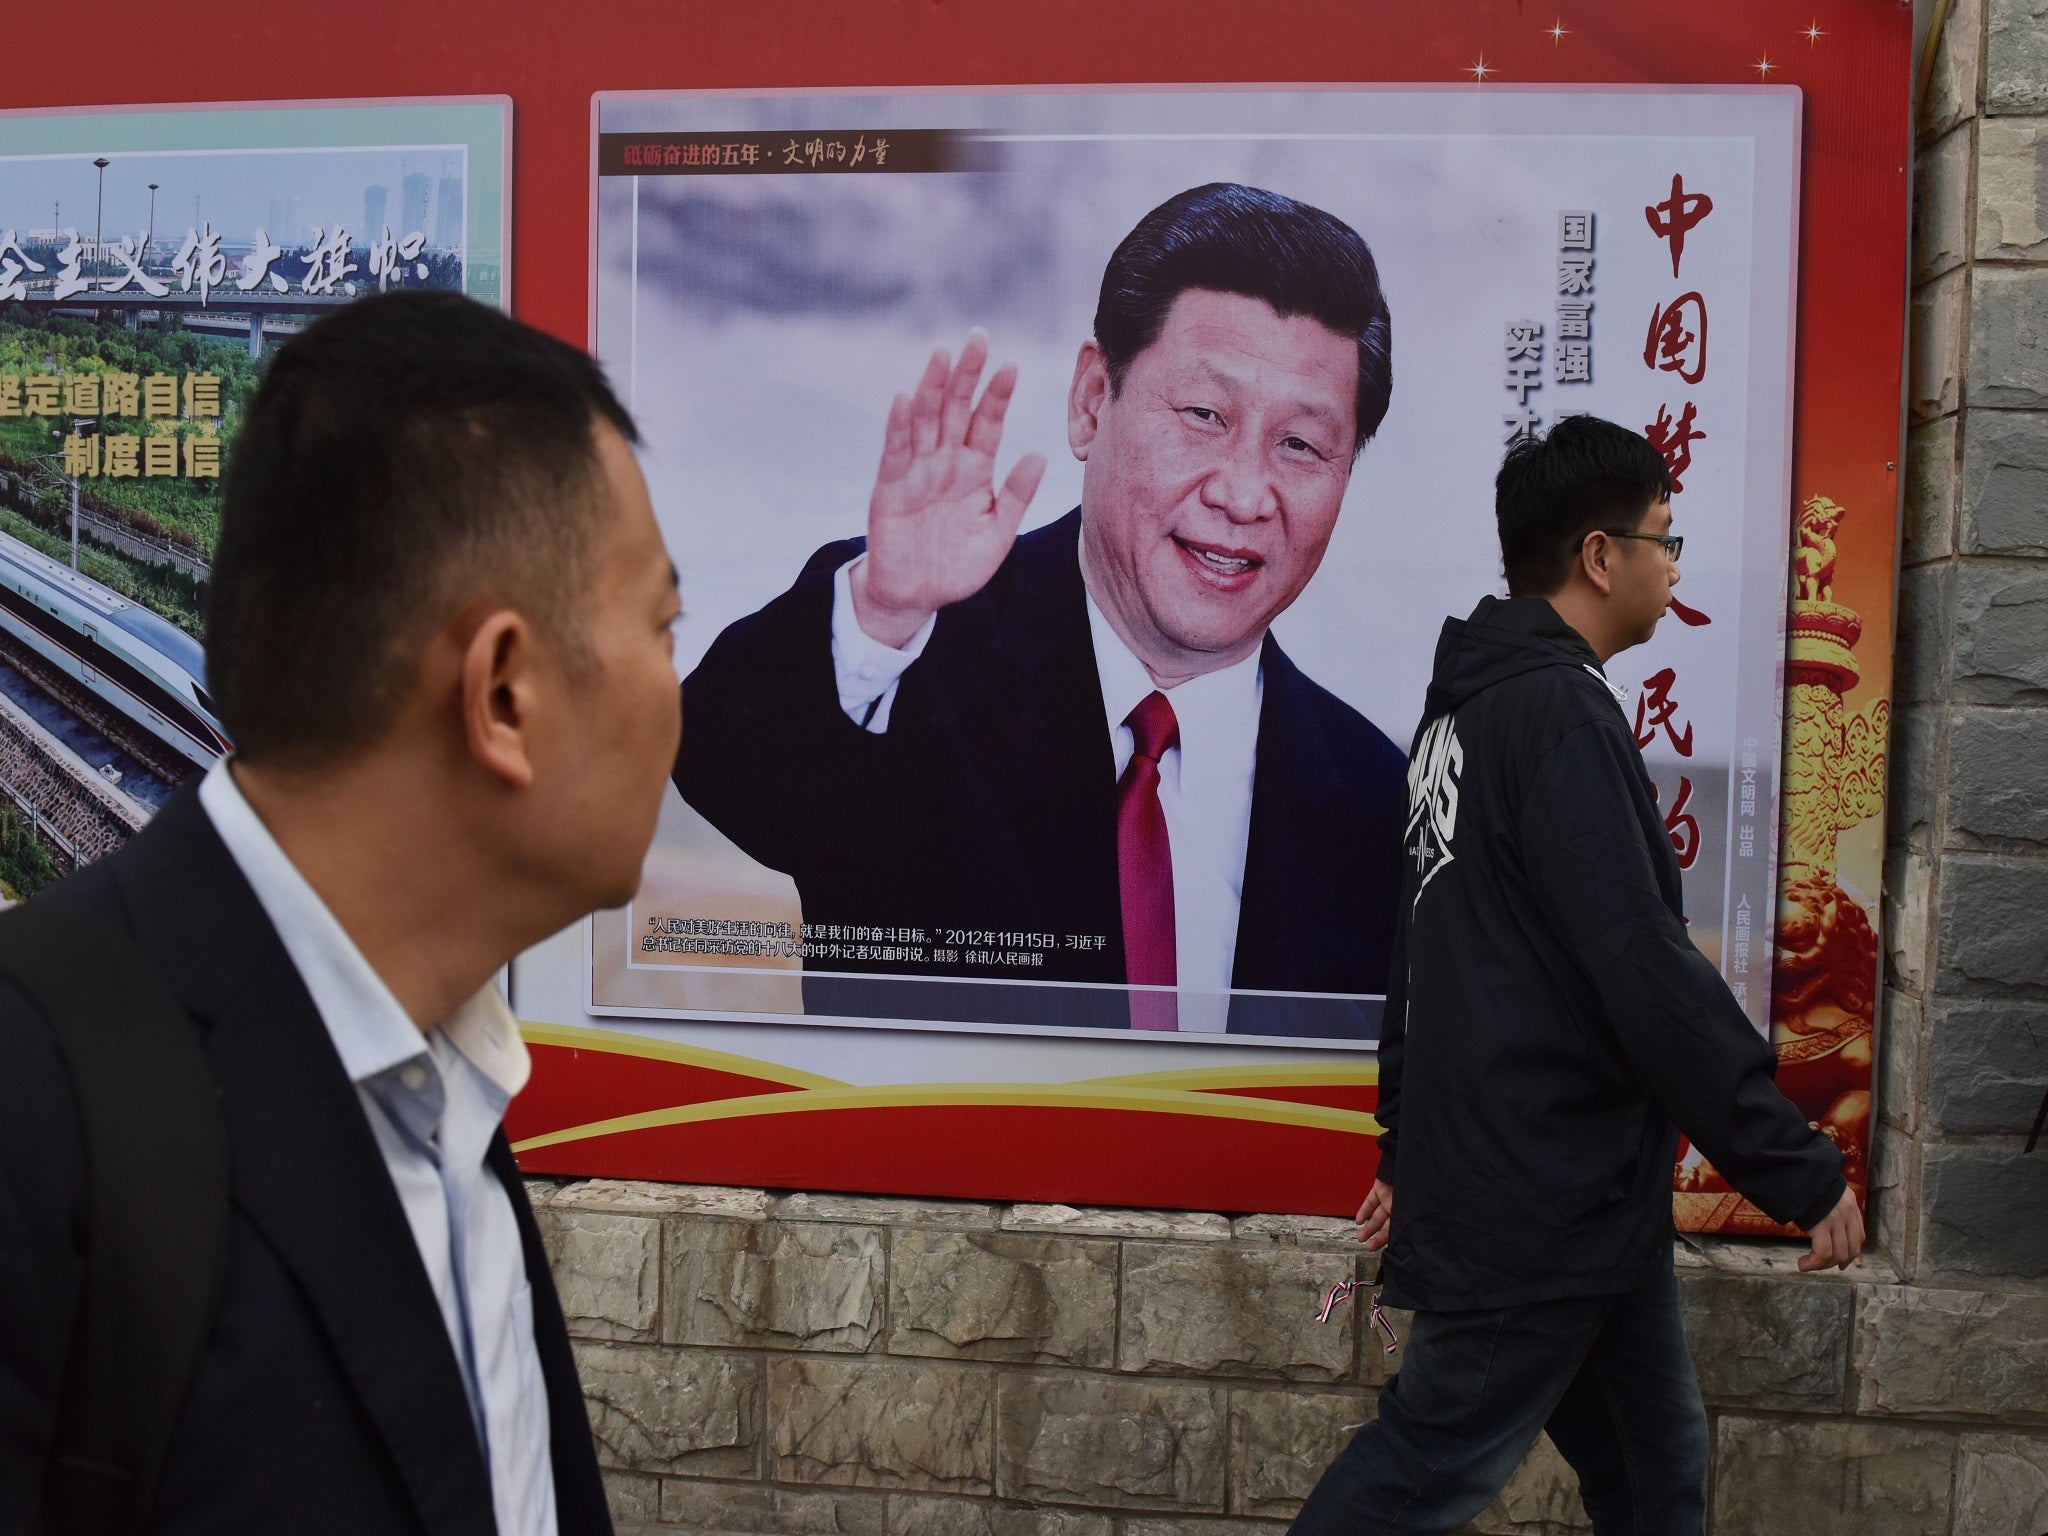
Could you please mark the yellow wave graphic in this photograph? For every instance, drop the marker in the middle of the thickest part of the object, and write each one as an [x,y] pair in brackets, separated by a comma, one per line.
[612,1043]
[1191,1092]
[967,1095]
[1283,1075]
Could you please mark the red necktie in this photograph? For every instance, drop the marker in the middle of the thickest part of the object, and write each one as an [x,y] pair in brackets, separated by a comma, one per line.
[1144,865]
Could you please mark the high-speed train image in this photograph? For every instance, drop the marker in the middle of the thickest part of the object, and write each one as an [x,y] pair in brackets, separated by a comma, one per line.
[142,665]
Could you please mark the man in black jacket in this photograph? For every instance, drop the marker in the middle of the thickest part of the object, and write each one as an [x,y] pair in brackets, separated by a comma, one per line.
[440,640]
[1550,1028]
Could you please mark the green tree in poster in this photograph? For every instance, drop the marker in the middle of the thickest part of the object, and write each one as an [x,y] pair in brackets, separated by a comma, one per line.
[25,868]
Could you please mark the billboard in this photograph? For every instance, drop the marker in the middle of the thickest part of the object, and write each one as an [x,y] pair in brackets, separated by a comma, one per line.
[893,889]
[151,260]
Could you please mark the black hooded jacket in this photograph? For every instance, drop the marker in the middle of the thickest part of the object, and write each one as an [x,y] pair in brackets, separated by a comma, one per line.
[1549,1025]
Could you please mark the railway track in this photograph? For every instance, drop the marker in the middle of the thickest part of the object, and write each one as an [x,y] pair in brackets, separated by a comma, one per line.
[172,767]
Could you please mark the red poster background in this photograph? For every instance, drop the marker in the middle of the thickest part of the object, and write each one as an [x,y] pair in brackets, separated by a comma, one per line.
[1295,1141]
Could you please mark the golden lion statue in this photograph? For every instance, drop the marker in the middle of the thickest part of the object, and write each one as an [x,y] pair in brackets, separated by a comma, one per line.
[1813,563]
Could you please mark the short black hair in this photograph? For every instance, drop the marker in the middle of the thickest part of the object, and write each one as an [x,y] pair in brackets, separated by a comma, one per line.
[1554,490]
[1245,240]
[401,458]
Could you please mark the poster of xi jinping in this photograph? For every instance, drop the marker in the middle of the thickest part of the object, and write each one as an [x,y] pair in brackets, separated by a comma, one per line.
[1068,490]
[152,262]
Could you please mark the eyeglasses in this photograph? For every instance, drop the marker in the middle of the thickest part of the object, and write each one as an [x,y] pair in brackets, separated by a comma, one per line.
[1672,542]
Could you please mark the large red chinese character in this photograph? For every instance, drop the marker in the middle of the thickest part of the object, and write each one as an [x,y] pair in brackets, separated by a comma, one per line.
[1670,346]
[1655,707]
[1688,616]
[1682,827]
[1674,439]
[1670,219]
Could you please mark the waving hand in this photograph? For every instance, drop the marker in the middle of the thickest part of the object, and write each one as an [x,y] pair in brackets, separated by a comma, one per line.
[937,524]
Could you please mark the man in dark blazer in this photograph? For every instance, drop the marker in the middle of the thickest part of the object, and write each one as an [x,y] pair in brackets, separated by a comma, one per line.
[1080,755]
[439,638]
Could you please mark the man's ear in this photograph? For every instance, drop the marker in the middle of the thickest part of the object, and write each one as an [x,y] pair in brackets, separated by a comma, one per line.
[499,692]
[1085,399]
[1596,561]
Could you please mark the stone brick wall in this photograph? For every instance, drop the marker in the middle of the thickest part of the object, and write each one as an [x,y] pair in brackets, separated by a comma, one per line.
[824,1363]
[1964,1049]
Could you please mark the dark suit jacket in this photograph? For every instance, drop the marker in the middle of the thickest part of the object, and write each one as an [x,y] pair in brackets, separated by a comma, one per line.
[989,805]
[328,1398]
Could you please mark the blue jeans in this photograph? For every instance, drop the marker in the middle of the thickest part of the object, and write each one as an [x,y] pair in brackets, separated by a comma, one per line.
[1610,1379]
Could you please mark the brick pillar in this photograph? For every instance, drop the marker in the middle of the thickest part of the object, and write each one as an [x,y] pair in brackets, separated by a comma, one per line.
[1964,1055]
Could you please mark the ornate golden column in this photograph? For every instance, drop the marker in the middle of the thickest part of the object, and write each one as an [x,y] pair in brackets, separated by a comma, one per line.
[1824,987]
[1824,973]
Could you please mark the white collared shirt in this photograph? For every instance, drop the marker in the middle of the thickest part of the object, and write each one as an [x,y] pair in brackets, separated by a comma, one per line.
[475,1061]
[867,670]
[1205,790]
[1205,784]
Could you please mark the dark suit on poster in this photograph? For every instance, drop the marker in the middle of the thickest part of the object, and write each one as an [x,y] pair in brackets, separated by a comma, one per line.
[328,1398]
[990,801]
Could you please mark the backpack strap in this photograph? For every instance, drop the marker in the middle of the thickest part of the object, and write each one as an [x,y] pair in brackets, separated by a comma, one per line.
[156,1161]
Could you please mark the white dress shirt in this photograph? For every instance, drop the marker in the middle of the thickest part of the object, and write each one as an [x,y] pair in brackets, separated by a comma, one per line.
[451,1085]
[1205,784]
[867,670]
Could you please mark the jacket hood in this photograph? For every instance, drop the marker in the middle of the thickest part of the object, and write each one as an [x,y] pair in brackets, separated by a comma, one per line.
[1504,637]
